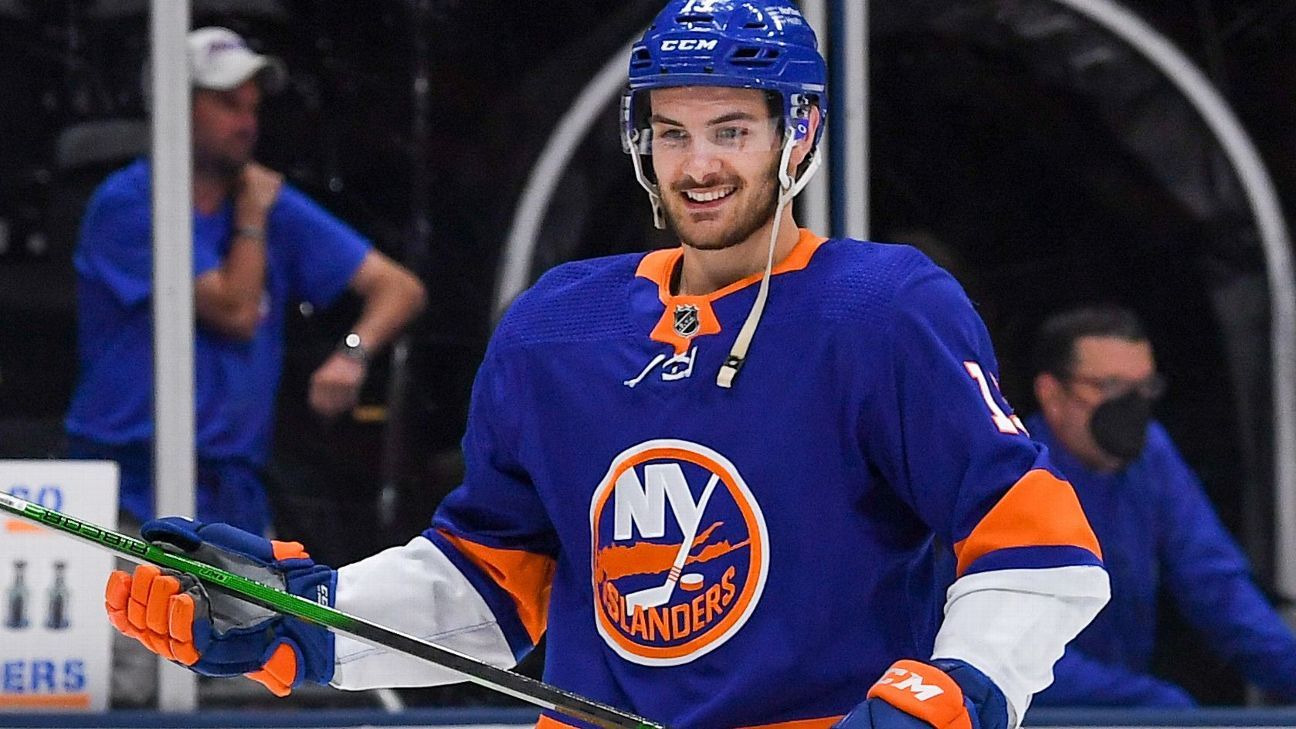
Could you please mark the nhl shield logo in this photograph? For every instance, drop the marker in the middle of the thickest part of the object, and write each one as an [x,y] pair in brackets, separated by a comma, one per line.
[686,320]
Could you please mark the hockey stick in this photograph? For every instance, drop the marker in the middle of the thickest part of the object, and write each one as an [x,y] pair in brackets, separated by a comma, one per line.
[498,679]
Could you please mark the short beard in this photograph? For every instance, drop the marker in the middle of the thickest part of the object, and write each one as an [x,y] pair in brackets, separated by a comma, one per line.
[220,163]
[225,168]
[757,214]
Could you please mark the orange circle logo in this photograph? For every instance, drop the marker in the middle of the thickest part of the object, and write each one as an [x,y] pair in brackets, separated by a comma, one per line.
[679,552]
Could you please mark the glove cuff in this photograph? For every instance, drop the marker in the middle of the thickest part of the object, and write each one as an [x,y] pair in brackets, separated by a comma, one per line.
[985,701]
[923,691]
[318,584]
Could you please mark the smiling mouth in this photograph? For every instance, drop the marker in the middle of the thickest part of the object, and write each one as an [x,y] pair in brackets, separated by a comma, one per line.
[709,196]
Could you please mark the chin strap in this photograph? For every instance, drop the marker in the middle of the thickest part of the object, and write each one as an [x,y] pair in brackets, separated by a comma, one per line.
[654,192]
[788,189]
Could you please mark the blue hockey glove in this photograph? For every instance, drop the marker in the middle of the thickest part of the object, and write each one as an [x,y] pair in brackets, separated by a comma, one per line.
[218,635]
[946,694]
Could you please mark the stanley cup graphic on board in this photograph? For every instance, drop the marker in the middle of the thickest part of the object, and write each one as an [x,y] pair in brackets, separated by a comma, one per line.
[16,602]
[57,616]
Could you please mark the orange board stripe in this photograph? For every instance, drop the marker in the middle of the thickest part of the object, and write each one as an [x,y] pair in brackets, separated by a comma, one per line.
[22,527]
[45,701]
[548,723]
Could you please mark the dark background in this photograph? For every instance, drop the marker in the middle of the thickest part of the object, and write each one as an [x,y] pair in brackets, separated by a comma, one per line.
[1032,182]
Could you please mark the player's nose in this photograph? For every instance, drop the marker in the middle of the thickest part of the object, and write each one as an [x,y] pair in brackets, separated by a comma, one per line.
[700,164]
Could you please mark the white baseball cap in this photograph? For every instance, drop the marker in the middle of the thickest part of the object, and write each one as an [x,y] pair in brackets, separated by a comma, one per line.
[220,59]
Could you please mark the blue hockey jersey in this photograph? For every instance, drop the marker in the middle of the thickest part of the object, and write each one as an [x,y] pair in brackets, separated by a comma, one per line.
[713,557]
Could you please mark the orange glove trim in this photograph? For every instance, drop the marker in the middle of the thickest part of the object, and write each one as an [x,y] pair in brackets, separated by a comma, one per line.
[925,692]
[279,672]
[288,550]
[117,591]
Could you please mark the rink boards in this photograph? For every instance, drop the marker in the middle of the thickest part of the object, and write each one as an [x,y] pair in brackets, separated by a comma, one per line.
[1211,718]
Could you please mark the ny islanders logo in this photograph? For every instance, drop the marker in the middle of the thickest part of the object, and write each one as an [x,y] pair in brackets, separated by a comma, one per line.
[680,552]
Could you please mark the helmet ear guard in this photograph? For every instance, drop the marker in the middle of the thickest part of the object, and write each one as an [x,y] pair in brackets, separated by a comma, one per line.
[797,128]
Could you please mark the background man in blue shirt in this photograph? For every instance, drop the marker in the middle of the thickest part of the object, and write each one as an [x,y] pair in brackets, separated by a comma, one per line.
[1096,382]
[259,244]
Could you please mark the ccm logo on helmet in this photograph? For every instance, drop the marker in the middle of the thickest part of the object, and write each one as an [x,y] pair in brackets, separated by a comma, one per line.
[689,44]
[910,681]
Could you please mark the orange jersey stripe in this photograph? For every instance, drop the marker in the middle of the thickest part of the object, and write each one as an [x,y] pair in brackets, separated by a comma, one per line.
[525,576]
[1040,510]
[548,723]
[800,724]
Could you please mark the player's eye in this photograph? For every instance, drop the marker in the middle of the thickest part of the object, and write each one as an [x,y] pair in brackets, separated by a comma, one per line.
[730,136]
[670,138]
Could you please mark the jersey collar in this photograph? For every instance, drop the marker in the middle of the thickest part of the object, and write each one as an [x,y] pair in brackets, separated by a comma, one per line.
[676,326]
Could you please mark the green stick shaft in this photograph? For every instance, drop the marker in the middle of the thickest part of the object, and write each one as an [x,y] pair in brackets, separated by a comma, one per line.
[498,679]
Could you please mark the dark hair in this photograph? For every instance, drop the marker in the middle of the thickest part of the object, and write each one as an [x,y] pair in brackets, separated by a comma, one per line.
[1055,344]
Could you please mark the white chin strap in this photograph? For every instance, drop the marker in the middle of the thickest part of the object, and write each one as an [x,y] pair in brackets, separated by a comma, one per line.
[788,189]
[654,192]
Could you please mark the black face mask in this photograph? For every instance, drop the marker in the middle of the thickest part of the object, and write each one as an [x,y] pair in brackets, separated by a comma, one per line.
[1119,425]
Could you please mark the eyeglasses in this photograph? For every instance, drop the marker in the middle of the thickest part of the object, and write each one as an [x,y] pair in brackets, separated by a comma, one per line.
[1152,387]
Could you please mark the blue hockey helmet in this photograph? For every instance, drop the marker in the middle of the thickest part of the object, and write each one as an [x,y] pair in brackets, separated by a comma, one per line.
[755,44]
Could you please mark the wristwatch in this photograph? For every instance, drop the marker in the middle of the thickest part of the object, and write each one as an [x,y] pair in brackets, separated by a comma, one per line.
[352,347]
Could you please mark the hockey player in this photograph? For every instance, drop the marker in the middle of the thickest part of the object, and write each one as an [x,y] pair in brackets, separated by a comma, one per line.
[715,476]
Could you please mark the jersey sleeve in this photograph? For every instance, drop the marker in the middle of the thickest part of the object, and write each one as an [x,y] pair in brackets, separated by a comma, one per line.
[326,251]
[1210,581]
[116,245]
[494,527]
[415,589]
[480,576]
[1029,570]
[953,449]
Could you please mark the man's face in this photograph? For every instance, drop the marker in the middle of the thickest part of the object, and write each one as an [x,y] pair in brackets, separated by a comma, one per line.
[716,153]
[225,126]
[1104,368]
